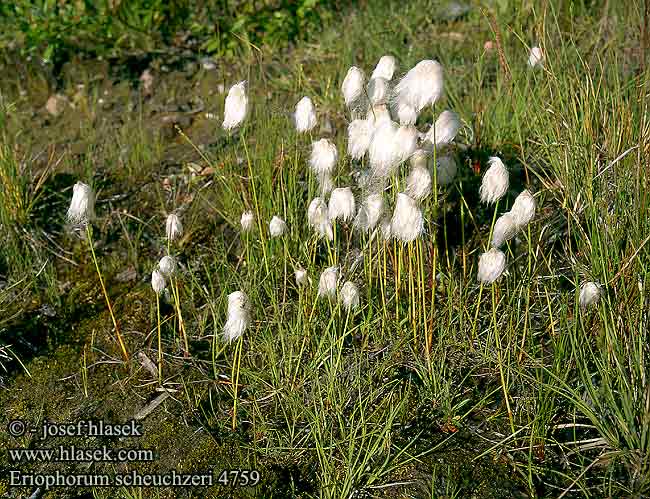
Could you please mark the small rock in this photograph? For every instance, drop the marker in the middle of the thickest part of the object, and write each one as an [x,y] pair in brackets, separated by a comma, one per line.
[56,104]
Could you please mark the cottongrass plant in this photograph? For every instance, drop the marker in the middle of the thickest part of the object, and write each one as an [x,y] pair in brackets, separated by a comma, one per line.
[277,226]
[174,231]
[236,106]
[589,294]
[352,87]
[238,320]
[536,57]
[305,116]
[158,284]
[81,213]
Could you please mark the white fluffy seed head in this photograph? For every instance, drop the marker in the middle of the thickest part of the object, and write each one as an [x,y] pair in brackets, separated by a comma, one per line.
[445,129]
[406,114]
[158,283]
[323,156]
[82,205]
[523,209]
[495,181]
[418,183]
[383,153]
[370,212]
[589,294]
[536,57]
[407,223]
[305,115]
[406,142]
[236,106]
[349,296]
[385,68]
[328,282]
[302,278]
[359,137]
[238,315]
[247,221]
[378,91]
[352,86]
[277,226]
[341,204]
[421,86]
[317,216]
[504,229]
[377,115]
[167,265]
[446,169]
[491,265]
[173,227]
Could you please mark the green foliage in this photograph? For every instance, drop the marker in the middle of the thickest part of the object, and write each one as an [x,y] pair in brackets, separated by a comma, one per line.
[57,31]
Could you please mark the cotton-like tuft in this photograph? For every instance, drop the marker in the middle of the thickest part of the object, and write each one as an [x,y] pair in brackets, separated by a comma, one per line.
[495,181]
[370,212]
[383,152]
[421,86]
[317,216]
[247,221]
[523,209]
[418,183]
[277,226]
[167,265]
[378,91]
[173,227]
[445,129]
[385,68]
[504,229]
[341,204]
[236,106]
[536,57]
[407,223]
[589,294]
[328,282]
[349,296]
[446,169]
[491,265]
[406,114]
[359,137]
[352,86]
[82,205]
[305,115]
[377,115]
[158,283]
[323,156]
[302,278]
[406,142]
[238,315]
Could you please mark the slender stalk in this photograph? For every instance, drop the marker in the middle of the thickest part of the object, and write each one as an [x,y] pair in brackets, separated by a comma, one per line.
[235,380]
[160,356]
[108,301]
[500,359]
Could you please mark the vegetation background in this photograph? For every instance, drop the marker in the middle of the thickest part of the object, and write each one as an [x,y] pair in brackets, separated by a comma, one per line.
[504,391]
